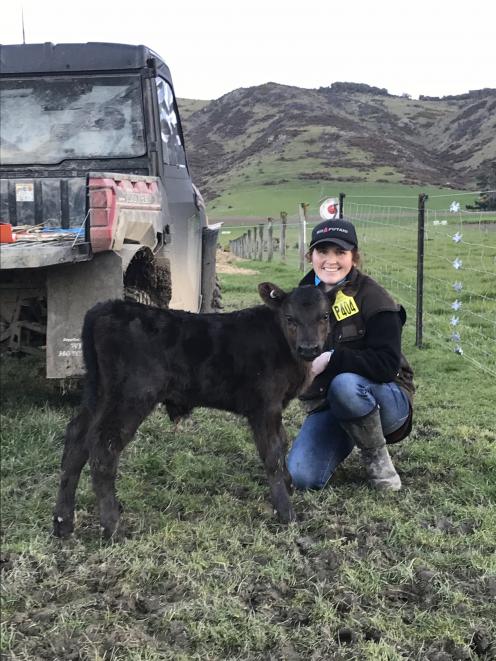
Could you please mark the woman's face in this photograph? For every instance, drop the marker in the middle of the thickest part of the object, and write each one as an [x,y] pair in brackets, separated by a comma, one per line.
[331,263]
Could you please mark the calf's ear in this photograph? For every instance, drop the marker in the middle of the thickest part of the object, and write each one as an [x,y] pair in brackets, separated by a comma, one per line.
[271,295]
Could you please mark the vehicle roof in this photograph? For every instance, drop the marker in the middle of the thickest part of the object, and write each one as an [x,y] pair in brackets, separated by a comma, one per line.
[65,58]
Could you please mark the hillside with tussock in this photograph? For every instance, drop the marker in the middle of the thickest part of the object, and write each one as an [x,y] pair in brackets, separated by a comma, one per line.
[273,134]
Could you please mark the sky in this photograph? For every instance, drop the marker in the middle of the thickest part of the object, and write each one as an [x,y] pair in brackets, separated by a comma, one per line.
[430,47]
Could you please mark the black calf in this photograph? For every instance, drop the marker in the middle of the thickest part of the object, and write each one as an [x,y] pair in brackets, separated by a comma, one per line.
[251,362]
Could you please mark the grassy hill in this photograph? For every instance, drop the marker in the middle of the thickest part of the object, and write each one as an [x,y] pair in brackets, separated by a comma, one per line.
[286,138]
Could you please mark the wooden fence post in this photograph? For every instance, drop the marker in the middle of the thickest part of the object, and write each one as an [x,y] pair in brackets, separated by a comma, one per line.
[303,233]
[260,242]
[282,246]
[270,247]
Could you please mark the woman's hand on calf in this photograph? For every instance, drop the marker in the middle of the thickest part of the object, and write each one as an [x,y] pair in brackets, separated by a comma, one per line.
[320,363]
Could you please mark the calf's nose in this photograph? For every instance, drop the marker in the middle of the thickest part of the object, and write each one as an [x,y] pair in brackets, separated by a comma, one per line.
[308,352]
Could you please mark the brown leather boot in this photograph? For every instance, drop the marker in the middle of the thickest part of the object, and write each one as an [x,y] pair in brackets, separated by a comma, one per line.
[368,436]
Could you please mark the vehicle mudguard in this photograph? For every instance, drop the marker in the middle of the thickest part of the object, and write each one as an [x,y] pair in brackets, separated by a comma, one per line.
[71,291]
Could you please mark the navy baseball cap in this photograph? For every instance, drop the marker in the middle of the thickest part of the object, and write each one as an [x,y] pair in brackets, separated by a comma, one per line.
[341,232]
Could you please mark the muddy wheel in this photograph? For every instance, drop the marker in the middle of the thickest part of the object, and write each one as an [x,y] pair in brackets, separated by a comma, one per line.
[137,295]
[217,296]
[146,281]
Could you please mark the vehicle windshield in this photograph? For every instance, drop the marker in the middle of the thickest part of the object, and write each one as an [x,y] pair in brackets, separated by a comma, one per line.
[48,120]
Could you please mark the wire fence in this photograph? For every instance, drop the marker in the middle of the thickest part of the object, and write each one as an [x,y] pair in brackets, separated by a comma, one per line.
[453,302]
[458,307]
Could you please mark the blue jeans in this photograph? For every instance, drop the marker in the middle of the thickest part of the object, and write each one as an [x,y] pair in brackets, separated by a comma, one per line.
[322,444]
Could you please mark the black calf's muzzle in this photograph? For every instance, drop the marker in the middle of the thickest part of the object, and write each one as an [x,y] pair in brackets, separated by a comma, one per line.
[309,352]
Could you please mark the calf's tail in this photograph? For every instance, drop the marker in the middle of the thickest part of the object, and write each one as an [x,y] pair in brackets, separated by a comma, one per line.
[90,358]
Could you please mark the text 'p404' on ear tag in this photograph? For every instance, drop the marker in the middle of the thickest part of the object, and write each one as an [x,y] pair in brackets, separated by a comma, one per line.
[344,306]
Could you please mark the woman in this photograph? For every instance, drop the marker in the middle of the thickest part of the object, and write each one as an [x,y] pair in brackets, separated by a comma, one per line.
[363,386]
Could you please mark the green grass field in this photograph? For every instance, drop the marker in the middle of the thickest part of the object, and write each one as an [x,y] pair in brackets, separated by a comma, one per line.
[202,570]
[254,199]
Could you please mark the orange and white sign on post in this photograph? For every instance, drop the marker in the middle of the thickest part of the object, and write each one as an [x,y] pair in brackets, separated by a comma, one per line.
[329,209]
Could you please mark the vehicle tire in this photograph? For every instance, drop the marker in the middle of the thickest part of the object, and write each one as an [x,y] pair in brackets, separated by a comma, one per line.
[137,295]
[147,282]
[217,304]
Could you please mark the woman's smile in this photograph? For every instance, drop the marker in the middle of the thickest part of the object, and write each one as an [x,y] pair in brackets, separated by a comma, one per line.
[331,263]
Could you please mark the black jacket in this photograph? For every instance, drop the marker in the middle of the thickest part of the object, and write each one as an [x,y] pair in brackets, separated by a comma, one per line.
[365,334]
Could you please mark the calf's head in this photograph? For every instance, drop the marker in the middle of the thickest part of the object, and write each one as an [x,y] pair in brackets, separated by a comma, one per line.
[303,315]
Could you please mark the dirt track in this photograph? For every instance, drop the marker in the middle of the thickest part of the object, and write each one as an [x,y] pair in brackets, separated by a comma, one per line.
[225,265]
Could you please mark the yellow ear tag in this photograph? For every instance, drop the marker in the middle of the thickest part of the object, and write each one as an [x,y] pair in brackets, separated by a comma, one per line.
[344,306]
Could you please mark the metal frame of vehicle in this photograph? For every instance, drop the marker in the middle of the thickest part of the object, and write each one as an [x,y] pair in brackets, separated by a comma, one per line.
[150,204]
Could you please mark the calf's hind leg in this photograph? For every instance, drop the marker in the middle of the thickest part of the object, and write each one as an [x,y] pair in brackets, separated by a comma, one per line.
[111,433]
[73,459]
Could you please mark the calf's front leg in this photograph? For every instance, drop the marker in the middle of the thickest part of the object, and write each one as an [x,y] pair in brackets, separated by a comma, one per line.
[287,475]
[270,439]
